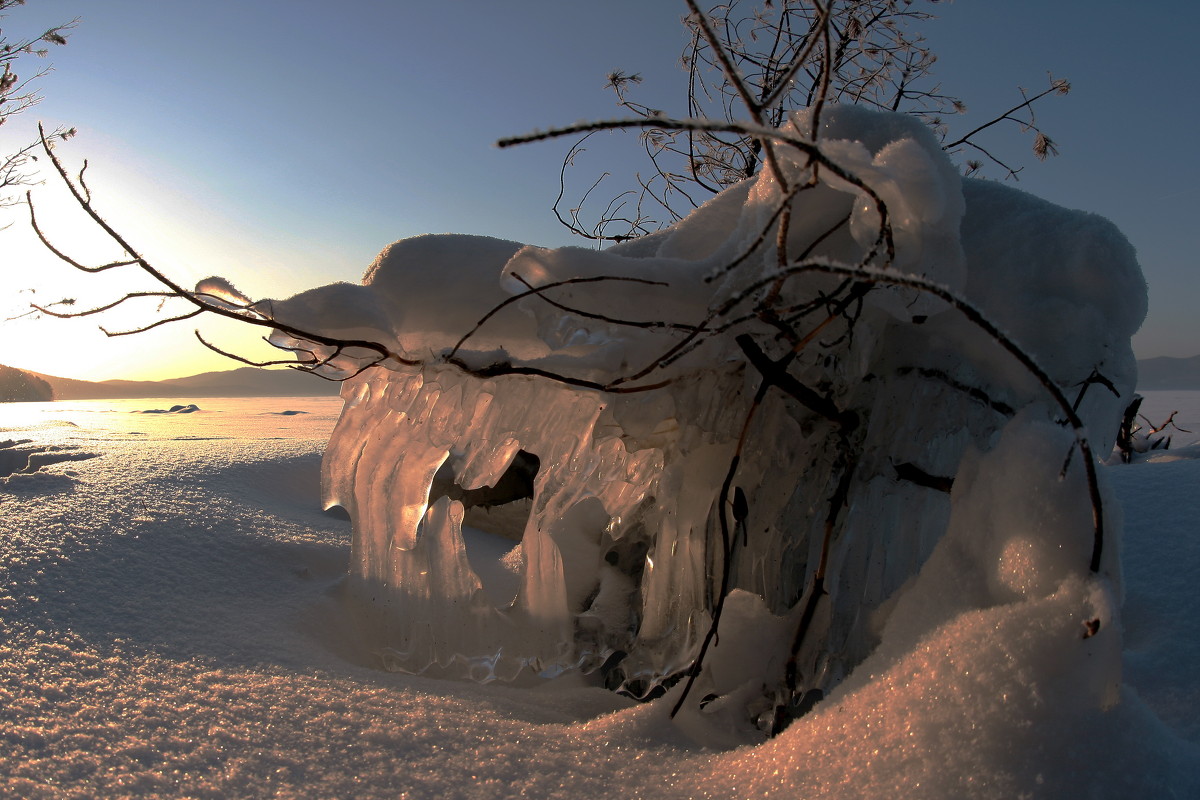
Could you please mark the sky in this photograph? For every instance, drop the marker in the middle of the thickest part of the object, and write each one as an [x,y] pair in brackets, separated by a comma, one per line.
[283,143]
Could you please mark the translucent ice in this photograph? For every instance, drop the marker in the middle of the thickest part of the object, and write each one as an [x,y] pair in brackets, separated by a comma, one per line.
[220,292]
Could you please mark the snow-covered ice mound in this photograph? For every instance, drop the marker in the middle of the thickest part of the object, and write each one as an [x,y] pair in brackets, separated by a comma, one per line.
[175,409]
[789,447]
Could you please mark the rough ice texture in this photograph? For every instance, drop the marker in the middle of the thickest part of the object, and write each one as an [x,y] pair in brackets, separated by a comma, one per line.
[620,559]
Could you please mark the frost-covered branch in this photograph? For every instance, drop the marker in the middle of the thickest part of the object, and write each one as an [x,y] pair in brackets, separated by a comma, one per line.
[19,93]
[1043,145]
[759,62]
[203,301]
[762,61]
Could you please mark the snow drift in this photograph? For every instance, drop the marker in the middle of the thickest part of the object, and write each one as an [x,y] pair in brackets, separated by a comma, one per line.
[845,476]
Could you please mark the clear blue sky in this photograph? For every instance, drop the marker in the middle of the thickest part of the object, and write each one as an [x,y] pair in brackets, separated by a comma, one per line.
[282,143]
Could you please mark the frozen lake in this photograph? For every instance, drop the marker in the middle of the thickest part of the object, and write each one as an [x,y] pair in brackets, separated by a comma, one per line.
[152,418]
[313,418]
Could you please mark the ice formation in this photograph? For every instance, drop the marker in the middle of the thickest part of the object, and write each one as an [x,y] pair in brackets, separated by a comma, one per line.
[622,554]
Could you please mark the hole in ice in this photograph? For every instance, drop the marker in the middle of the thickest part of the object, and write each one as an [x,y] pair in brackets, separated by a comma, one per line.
[501,509]
[495,560]
[495,517]
[338,512]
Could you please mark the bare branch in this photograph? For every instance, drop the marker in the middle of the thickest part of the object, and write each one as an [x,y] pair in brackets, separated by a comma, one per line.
[539,290]
[1057,86]
[98,309]
[191,314]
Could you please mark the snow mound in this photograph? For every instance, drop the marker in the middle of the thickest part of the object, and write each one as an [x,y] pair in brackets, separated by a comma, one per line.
[21,462]
[801,485]
[175,409]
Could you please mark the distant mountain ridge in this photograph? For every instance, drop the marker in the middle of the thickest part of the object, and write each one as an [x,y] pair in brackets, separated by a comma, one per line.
[241,382]
[17,385]
[1165,373]
[1154,374]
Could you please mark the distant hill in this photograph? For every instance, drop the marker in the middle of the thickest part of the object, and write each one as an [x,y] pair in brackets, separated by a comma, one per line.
[1164,373]
[242,382]
[1169,373]
[20,386]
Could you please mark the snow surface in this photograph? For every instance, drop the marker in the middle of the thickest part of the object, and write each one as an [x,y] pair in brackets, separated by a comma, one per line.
[169,628]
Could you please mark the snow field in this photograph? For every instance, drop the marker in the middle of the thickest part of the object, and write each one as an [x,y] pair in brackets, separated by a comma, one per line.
[170,628]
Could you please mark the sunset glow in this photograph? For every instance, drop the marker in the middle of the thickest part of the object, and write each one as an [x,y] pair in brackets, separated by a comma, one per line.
[282,177]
